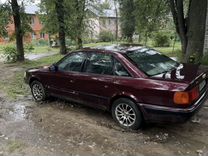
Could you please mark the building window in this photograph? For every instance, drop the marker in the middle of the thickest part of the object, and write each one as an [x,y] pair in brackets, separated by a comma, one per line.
[109,21]
[104,22]
[33,35]
[42,35]
[32,20]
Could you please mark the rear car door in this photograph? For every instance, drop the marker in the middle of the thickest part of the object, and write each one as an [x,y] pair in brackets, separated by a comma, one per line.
[95,83]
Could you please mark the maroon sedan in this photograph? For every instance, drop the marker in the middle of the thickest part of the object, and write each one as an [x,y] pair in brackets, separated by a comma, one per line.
[135,83]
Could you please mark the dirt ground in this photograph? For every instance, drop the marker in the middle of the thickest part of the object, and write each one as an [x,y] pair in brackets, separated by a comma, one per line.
[58,127]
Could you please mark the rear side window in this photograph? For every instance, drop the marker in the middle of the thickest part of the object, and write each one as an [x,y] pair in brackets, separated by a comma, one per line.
[72,62]
[151,62]
[99,63]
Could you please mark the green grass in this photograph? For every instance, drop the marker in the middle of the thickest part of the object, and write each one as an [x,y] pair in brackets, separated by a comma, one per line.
[43,49]
[15,145]
[15,86]
[37,49]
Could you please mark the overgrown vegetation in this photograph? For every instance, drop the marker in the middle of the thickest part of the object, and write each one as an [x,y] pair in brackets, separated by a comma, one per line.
[15,86]
[10,53]
[161,39]
[106,36]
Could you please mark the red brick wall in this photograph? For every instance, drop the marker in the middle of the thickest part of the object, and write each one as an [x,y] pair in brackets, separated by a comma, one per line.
[36,27]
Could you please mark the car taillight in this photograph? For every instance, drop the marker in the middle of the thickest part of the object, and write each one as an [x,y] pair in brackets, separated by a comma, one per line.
[185,98]
[194,93]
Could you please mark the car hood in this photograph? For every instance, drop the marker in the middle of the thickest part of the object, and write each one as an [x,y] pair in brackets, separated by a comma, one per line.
[39,69]
[184,72]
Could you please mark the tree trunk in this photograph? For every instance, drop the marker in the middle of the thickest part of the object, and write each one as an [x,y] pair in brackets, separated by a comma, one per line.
[79,43]
[61,23]
[196,29]
[18,30]
[191,30]
[146,38]
[116,11]
[80,8]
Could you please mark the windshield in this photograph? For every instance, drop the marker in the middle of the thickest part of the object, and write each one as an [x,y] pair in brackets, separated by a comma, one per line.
[151,62]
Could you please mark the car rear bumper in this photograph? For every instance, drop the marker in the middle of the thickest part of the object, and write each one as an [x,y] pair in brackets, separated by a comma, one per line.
[154,113]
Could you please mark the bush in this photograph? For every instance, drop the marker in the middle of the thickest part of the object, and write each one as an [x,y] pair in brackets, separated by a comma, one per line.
[106,36]
[204,60]
[40,42]
[161,39]
[10,53]
[29,47]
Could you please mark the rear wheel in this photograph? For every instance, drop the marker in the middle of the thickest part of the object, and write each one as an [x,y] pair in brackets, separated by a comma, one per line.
[126,113]
[38,91]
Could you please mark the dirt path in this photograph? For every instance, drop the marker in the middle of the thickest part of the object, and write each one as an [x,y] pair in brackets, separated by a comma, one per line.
[62,128]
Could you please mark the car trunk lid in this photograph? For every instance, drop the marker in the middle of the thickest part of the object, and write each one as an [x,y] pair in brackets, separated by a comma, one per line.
[190,74]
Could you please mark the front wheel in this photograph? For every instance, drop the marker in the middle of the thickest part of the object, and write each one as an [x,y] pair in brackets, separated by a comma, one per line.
[38,91]
[126,113]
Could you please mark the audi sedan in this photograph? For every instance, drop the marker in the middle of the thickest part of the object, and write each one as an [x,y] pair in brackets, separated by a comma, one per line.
[136,84]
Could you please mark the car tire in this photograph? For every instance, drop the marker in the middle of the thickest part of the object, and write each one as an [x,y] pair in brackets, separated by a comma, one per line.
[126,114]
[38,91]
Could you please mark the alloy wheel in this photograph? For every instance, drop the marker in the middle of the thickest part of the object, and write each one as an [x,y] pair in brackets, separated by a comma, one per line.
[125,114]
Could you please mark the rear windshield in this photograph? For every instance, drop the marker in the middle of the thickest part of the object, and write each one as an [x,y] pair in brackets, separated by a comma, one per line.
[151,62]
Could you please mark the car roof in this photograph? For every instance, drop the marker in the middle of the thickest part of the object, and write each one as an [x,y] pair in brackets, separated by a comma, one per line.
[117,48]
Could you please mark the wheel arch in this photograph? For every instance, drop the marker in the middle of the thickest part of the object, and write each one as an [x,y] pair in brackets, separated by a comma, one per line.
[33,79]
[127,96]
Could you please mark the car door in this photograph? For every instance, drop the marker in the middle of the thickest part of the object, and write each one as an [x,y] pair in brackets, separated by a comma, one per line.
[95,84]
[63,81]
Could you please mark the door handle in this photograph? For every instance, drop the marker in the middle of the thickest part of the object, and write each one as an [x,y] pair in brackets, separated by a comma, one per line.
[71,81]
[106,86]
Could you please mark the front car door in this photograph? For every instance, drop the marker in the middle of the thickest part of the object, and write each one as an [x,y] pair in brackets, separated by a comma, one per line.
[63,82]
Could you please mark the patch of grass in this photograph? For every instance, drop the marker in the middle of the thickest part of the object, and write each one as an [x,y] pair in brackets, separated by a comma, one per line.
[169,51]
[40,62]
[4,45]
[37,49]
[15,145]
[44,49]
[15,86]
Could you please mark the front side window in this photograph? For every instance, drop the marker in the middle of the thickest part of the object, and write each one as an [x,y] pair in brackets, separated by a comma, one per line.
[100,63]
[72,62]
[119,70]
[151,62]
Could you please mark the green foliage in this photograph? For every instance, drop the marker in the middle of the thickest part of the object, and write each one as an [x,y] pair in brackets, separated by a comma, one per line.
[105,5]
[29,47]
[204,60]
[42,42]
[16,87]
[161,39]
[74,12]
[128,20]
[10,53]
[48,16]
[5,14]
[106,36]
[151,16]
[25,20]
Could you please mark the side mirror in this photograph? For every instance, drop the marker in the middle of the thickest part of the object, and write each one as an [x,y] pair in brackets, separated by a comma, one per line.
[53,68]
